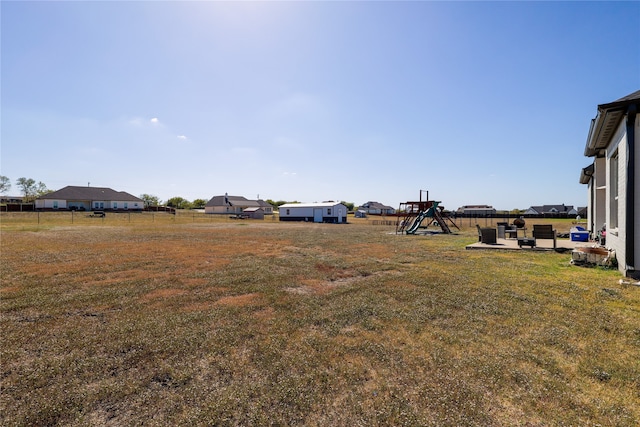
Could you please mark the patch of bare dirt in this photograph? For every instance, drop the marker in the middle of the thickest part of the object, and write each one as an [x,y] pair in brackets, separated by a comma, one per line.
[239,300]
[163,293]
[321,287]
[199,306]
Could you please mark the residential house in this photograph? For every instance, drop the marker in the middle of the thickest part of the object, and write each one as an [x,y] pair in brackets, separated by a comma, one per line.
[476,210]
[376,208]
[235,205]
[582,211]
[564,211]
[613,179]
[89,198]
[314,212]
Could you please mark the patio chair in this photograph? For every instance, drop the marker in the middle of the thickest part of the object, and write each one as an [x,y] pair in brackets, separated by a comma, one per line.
[487,235]
[544,231]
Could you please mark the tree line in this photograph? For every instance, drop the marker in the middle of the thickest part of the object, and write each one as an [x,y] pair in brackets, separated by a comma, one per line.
[31,190]
[182,203]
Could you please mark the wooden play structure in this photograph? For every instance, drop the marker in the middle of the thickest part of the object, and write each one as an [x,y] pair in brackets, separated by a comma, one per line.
[412,215]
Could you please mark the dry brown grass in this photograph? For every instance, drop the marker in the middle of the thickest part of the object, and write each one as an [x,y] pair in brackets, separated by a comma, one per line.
[262,323]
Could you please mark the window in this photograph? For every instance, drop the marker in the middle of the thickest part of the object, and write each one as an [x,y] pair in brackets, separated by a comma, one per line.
[126,205]
[55,204]
[329,211]
[288,212]
[613,191]
[115,205]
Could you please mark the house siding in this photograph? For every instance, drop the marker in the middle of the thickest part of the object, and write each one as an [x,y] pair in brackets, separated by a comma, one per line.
[51,204]
[126,205]
[616,178]
[232,210]
[306,213]
[601,196]
[599,183]
[636,220]
[615,218]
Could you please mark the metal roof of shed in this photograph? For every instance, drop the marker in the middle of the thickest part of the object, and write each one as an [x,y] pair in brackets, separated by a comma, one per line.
[311,205]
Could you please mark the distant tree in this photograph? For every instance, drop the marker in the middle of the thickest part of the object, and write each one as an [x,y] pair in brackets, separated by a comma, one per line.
[198,204]
[179,203]
[276,204]
[150,200]
[41,189]
[349,205]
[27,187]
[5,184]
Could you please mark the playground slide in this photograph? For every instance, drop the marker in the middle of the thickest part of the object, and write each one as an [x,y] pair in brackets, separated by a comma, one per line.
[421,216]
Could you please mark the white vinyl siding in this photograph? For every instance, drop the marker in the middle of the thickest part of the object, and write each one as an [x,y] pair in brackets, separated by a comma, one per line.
[613,191]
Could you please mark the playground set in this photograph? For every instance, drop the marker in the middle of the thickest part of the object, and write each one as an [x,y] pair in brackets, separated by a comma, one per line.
[412,215]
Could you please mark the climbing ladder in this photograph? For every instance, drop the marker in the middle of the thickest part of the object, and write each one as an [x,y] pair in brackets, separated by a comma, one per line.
[442,221]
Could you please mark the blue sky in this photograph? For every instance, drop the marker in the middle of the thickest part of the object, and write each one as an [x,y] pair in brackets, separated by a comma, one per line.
[475,102]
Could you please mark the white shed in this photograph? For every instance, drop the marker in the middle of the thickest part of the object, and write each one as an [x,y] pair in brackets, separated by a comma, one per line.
[314,212]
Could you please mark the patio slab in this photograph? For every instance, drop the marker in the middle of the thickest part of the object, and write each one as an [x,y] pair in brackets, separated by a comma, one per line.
[563,245]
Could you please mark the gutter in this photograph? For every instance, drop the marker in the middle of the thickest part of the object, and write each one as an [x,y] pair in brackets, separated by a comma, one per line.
[589,149]
[630,196]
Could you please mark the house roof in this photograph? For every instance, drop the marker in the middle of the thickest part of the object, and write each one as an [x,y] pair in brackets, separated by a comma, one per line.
[477,208]
[232,201]
[604,125]
[72,192]
[375,205]
[551,208]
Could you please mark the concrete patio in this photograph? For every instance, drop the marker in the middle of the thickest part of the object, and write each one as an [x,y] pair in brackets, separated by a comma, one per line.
[562,245]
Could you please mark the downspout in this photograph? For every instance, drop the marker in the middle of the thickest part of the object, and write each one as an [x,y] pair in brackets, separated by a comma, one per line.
[630,196]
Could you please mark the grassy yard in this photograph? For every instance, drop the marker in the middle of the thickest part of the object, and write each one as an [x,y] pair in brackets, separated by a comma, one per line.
[200,321]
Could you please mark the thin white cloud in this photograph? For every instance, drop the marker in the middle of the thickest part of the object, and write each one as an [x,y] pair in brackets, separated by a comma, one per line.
[287,143]
[142,122]
[244,151]
[298,105]
[182,137]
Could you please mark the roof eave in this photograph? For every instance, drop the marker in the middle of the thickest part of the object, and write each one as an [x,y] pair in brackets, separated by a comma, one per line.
[586,174]
[602,129]
[604,125]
